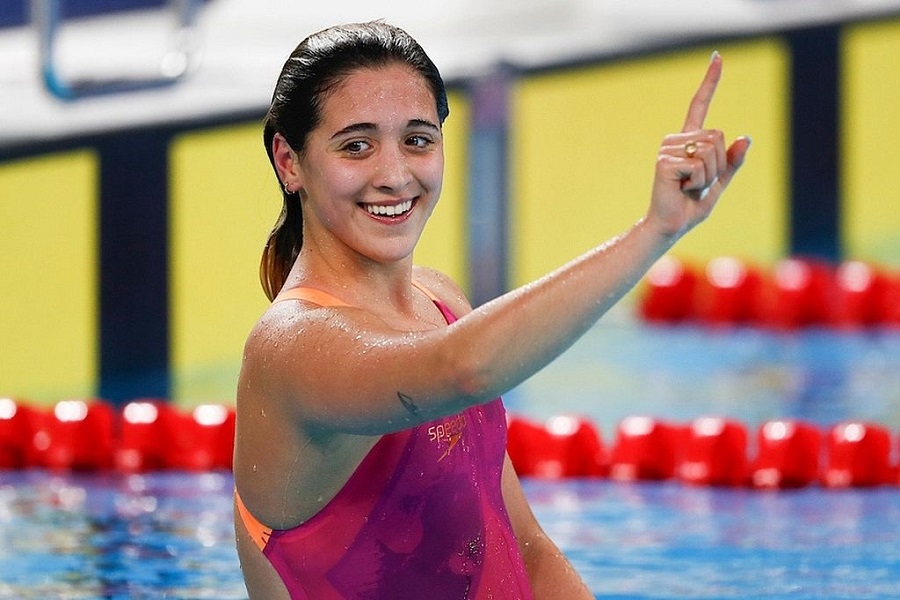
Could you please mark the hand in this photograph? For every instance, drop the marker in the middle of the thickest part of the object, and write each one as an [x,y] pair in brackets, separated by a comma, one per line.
[694,167]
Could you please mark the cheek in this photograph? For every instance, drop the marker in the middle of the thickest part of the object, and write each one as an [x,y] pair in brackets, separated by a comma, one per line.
[340,182]
[433,173]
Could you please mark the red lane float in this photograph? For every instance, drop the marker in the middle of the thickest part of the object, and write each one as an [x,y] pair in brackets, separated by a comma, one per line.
[151,434]
[16,426]
[888,300]
[143,435]
[204,439]
[858,455]
[857,292]
[668,291]
[787,455]
[712,451]
[156,435]
[729,293]
[796,293]
[74,434]
[646,448]
[564,446]
[715,453]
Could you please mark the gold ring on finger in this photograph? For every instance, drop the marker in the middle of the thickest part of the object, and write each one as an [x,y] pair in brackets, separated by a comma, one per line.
[690,148]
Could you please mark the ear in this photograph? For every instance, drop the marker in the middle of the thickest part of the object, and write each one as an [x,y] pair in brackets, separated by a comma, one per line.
[286,163]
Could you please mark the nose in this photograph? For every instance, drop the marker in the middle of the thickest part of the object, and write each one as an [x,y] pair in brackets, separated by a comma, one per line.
[392,172]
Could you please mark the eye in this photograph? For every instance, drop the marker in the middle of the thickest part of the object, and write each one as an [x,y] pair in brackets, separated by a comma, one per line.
[419,141]
[355,147]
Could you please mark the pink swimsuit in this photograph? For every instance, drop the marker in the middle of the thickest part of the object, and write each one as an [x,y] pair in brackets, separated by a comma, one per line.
[421,517]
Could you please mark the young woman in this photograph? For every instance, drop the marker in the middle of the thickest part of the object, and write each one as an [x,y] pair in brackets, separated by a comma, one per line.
[370,453]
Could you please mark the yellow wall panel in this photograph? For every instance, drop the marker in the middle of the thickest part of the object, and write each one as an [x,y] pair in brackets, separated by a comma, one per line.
[870,130]
[443,244]
[224,201]
[48,278]
[584,143]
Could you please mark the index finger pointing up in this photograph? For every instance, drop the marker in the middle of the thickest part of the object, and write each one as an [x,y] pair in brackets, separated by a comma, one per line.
[703,98]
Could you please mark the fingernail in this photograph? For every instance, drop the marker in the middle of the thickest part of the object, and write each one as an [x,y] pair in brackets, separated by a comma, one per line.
[714,55]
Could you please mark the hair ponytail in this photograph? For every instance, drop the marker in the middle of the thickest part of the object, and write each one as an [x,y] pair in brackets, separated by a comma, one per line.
[282,247]
[286,237]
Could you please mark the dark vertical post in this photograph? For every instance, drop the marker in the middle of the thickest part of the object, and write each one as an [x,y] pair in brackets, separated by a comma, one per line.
[134,321]
[488,187]
[815,127]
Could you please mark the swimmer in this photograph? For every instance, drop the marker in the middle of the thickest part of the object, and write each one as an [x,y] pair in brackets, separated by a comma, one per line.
[370,453]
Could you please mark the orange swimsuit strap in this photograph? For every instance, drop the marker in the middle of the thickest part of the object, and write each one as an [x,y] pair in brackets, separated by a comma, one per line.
[310,295]
[259,533]
[321,298]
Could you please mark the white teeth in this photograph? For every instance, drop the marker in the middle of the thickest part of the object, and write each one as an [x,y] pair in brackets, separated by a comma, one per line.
[389,210]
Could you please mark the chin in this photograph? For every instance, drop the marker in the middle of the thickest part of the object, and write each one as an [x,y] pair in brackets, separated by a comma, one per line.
[390,255]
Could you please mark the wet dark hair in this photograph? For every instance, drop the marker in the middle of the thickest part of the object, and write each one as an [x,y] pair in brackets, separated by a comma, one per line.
[316,66]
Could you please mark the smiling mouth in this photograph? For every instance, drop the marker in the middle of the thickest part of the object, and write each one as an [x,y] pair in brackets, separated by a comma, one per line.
[389,210]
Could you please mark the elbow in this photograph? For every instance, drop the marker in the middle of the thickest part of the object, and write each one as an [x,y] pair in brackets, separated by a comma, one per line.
[473,379]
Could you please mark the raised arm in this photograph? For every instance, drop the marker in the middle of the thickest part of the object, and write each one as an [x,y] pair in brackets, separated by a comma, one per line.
[351,371]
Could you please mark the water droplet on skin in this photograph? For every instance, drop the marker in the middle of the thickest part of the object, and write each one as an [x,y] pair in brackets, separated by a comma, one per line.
[262,413]
[255,468]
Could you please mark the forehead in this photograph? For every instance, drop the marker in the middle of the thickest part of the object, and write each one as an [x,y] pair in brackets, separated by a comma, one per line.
[366,93]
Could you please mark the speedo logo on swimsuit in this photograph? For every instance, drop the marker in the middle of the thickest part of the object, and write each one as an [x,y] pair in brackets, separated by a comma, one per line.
[447,433]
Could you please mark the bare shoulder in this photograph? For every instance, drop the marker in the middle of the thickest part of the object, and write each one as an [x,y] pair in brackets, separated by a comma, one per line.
[337,369]
[442,286]
[287,330]
[281,321]
[309,358]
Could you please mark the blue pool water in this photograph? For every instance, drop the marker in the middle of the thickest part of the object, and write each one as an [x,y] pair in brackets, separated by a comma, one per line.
[668,540]
[169,534]
[160,535]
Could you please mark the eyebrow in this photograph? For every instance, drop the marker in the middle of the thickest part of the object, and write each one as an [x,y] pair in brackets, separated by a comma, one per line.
[423,123]
[358,127]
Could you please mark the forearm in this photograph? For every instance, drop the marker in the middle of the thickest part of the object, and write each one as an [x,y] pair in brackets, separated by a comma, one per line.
[515,335]
[551,574]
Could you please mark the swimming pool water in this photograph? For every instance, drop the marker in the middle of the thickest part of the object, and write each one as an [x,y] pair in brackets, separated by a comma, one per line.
[159,535]
[169,535]
[669,540]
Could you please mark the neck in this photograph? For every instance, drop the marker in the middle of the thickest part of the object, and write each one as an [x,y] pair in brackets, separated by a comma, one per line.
[358,281]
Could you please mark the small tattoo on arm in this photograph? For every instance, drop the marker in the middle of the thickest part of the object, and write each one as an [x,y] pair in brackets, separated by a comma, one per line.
[408,403]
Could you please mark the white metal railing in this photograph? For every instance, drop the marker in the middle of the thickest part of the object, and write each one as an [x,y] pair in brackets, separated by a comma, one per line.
[172,60]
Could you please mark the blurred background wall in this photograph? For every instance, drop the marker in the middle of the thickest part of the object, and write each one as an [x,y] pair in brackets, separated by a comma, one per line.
[133,221]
